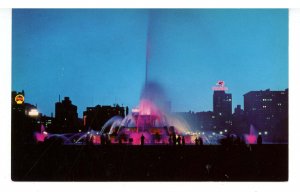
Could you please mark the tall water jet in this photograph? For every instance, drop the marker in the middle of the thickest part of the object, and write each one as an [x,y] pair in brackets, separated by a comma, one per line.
[251,138]
[148,46]
[151,119]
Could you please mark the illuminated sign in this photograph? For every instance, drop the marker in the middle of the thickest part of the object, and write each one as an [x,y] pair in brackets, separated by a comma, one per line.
[220,86]
[19,99]
[33,113]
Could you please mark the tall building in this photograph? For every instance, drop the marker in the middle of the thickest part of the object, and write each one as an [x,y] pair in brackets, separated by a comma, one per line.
[95,117]
[24,119]
[66,116]
[222,106]
[222,103]
[268,112]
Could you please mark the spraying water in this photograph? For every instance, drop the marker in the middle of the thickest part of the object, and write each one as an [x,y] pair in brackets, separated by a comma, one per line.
[251,138]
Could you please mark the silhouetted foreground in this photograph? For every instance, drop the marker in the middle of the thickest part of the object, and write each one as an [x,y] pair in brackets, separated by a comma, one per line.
[150,163]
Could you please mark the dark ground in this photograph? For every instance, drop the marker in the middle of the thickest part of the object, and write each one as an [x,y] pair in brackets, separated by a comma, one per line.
[51,162]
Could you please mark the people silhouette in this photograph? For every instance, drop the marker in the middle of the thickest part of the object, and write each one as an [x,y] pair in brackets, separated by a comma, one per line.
[183,140]
[200,140]
[259,140]
[179,140]
[142,139]
[196,141]
[174,138]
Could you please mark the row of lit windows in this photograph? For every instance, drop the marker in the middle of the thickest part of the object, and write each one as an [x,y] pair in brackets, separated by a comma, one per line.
[267,99]
[264,106]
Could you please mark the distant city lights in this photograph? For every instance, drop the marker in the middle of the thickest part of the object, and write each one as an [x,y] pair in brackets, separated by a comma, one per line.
[33,113]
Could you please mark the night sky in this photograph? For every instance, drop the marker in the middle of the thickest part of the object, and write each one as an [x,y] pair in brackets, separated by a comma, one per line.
[99,56]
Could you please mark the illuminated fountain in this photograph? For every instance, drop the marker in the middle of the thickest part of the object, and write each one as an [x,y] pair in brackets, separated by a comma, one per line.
[251,138]
[41,135]
[66,138]
[150,119]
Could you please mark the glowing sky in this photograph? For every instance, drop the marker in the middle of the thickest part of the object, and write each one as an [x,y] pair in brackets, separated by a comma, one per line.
[98,56]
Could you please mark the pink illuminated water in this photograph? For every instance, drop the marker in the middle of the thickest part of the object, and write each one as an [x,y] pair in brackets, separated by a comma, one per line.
[251,138]
[40,136]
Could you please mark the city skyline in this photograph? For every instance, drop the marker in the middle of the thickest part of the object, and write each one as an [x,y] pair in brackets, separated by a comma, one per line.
[97,56]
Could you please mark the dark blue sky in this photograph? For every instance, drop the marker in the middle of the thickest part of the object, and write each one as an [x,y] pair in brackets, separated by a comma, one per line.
[99,56]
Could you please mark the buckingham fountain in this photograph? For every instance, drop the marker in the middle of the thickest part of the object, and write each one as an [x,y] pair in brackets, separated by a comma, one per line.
[151,119]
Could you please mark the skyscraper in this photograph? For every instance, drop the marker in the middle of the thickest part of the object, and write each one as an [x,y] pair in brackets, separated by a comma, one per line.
[222,103]
[66,116]
[222,106]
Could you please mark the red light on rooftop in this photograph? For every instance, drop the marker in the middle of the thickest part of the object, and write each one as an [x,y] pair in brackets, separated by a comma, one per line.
[220,86]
